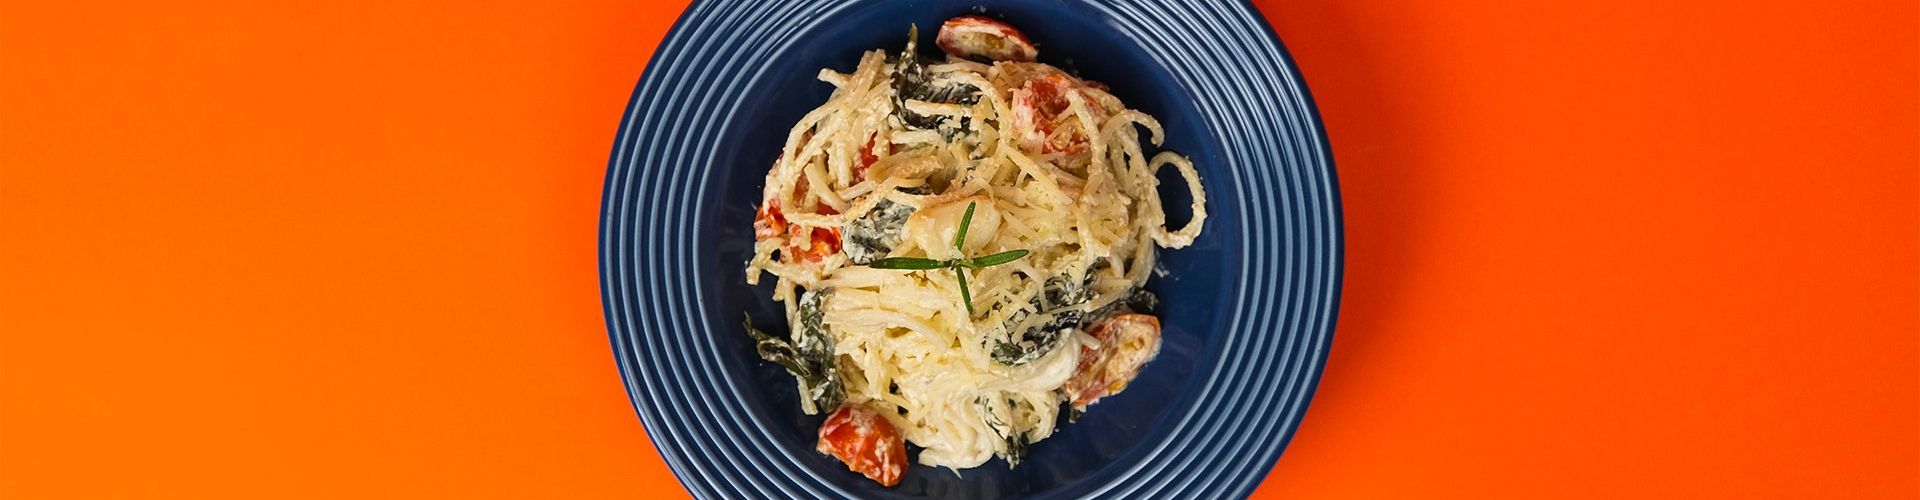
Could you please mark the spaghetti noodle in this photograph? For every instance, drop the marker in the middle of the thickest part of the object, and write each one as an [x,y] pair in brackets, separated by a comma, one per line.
[885,168]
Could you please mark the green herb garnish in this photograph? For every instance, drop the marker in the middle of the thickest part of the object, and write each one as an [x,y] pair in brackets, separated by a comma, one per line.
[959,238]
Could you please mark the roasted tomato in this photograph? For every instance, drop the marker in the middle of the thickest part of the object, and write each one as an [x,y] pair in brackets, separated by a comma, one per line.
[809,243]
[1037,105]
[821,242]
[866,442]
[769,223]
[1127,342]
[867,159]
[982,38]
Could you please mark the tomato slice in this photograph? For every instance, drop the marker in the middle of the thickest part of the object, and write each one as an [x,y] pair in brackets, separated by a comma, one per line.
[821,242]
[769,223]
[1036,104]
[1127,342]
[979,37]
[866,442]
[867,159]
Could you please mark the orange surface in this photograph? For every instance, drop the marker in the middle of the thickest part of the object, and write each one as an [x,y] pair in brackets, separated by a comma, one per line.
[1597,249]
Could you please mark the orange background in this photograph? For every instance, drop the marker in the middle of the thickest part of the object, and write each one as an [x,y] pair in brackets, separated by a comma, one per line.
[1610,249]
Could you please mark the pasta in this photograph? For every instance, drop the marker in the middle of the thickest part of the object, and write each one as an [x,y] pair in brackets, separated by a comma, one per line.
[965,361]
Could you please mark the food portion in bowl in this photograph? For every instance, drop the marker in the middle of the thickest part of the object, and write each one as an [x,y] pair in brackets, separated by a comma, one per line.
[962,246]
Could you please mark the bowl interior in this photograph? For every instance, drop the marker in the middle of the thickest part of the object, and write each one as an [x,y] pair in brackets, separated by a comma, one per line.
[1115,433]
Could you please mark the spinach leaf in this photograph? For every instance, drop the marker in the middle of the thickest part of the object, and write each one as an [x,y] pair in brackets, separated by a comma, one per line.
[912,80]
[875,233]
[1058,298]
[996,412]
[808,356]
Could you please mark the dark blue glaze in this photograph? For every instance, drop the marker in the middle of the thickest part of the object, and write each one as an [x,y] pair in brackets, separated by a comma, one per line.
[1248,309]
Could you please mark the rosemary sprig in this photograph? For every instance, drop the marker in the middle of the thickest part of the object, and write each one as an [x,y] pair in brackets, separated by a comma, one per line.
[908,263]
[957,265]
[965,220]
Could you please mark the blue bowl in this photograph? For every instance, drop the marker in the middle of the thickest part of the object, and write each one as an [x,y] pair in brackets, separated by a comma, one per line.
[1248,310]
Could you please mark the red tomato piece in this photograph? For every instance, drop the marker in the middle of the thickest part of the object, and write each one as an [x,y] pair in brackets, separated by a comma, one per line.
[866,442]
[867,159]
[769,222]
[1049,93]
[1037,104]
[1127,342]
[979,37]
[821,242]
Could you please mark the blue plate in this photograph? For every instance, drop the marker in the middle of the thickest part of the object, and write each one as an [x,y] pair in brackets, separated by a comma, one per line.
[1248,310]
